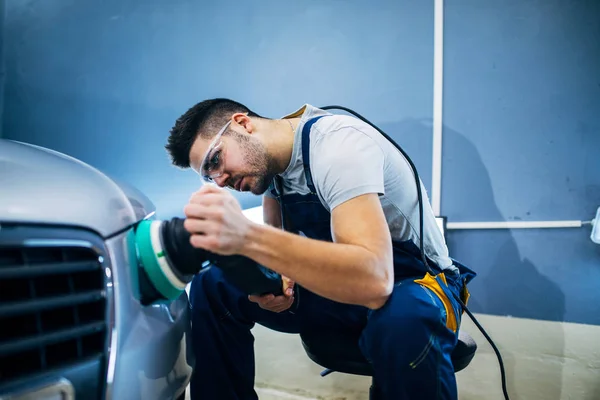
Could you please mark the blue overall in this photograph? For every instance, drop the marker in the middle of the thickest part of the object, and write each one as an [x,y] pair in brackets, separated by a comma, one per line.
[408,341]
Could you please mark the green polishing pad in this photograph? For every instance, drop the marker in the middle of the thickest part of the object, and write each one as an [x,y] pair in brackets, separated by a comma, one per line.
[149,259]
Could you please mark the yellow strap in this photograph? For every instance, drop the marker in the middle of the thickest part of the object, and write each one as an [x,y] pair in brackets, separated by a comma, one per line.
[432,284]
[465,295]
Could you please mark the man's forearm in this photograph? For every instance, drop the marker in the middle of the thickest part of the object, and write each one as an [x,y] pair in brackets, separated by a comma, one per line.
[341,272]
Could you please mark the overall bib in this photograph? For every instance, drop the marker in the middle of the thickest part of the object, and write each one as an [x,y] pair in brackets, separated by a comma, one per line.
[409,340]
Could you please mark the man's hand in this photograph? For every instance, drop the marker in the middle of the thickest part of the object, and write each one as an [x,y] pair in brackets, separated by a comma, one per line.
[277,303]
[215,221]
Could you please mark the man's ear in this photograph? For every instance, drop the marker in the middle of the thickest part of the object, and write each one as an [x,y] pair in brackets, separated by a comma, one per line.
[243,120]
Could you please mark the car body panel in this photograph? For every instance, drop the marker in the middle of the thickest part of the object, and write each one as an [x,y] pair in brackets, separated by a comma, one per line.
[153,359]
[49,187]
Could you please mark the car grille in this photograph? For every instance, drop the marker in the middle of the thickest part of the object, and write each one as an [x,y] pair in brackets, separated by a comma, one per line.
[53,308]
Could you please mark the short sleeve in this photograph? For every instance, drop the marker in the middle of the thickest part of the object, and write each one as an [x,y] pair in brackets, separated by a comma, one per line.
[347,163]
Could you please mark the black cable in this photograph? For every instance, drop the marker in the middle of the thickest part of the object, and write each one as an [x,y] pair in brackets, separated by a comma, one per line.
[423,257]
[489,339]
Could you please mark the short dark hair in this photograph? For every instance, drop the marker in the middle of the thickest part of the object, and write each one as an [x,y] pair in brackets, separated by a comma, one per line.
[204,119]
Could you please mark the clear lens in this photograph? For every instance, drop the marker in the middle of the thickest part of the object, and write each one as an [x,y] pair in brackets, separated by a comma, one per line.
[213,164]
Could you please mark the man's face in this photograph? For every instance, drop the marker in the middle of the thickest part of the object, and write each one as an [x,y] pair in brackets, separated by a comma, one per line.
[242,161]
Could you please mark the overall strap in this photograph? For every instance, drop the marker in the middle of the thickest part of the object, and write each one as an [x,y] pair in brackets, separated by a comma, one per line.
[279,192]
[306,152]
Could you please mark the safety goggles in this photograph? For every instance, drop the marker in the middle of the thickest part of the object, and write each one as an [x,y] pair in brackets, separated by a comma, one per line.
[213,163]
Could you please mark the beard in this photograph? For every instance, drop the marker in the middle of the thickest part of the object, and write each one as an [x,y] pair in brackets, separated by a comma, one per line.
[261,165]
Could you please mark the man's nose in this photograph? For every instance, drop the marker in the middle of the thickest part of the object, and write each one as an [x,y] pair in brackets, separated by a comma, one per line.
[221,181]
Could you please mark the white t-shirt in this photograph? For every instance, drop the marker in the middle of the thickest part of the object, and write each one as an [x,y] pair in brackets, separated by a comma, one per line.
[349,158]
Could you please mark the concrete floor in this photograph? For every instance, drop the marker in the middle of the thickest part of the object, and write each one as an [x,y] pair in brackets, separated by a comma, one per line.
[283,366]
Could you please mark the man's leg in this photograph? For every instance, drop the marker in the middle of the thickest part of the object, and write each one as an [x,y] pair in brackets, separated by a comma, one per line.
[223,345]
[410,346]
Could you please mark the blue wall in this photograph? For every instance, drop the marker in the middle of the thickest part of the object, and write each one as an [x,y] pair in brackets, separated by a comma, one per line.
[105,82]
[522,142]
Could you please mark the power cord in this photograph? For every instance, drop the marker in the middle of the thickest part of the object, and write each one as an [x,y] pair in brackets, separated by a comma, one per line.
[489,339]
[423,257]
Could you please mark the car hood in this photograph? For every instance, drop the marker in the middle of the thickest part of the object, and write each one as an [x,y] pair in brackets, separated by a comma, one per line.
[43,186]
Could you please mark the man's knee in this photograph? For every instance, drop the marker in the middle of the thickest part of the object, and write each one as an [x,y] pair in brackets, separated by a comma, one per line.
[211,293]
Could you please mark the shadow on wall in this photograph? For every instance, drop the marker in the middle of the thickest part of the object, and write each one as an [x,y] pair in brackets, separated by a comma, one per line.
[506,284]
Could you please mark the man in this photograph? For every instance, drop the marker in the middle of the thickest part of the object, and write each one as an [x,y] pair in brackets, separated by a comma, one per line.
[355,267]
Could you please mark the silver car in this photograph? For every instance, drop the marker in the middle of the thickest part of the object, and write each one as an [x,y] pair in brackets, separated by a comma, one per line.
[71,320]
